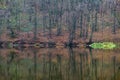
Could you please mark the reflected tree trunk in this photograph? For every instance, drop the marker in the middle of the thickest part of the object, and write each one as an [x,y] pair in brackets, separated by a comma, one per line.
[114,68]
[35,64]
[50,65]
[72,61]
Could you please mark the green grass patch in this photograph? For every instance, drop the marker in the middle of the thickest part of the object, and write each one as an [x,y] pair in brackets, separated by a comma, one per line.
[103,45]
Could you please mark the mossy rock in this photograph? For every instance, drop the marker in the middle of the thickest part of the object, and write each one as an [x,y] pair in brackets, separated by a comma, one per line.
[36,45]
[10,45]
[103,45]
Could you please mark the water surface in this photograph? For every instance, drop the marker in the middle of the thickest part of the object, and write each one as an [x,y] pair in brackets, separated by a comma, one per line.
[59,64]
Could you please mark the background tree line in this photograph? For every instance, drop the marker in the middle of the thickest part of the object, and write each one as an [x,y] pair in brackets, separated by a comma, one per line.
[42,16]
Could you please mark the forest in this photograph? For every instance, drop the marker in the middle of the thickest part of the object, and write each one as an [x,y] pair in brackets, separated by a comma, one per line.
[59,39]
[61,22]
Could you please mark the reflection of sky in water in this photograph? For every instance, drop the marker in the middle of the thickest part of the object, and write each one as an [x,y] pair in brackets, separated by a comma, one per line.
[59,64]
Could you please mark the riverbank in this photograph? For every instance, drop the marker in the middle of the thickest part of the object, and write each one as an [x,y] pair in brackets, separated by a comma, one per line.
[44,40]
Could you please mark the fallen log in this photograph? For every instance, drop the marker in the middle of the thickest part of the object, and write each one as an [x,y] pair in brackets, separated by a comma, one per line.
[38,44]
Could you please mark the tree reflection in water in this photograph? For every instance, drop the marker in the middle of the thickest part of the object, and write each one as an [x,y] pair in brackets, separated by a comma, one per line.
[69,64]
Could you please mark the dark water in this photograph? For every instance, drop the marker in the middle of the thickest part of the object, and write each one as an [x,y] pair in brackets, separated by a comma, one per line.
[59,64]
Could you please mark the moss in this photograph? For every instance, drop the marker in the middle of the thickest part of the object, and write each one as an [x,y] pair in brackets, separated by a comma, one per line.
[10,45]
[3,7]
[103,45]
